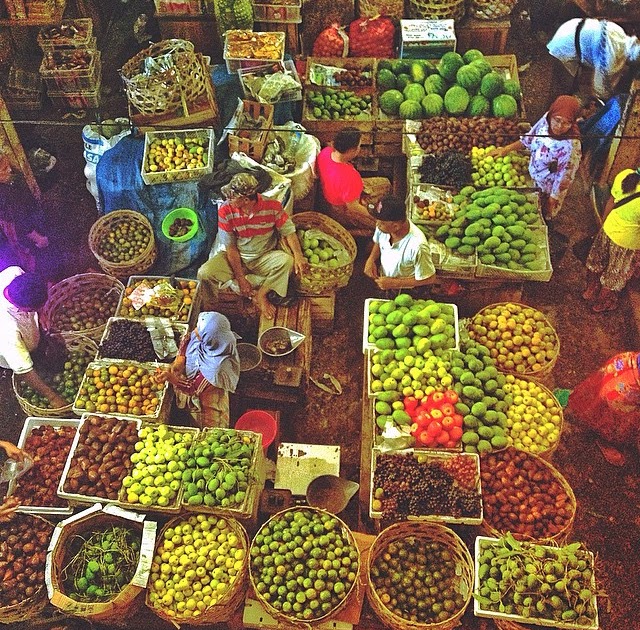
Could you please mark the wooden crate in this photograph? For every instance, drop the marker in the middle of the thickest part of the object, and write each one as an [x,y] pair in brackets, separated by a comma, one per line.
[365,64]
[198,29]
[322,312]
[387,136]
[231,304]
[489,36]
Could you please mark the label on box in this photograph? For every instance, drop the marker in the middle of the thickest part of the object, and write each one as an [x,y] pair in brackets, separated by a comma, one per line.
[416,31]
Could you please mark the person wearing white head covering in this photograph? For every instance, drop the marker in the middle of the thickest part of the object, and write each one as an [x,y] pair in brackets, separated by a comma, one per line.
[600,45]
[206,369]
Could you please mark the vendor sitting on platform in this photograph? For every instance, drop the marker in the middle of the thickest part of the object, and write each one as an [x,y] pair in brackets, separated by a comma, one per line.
[245,256]
[342,186]
[400,258]
[21,295]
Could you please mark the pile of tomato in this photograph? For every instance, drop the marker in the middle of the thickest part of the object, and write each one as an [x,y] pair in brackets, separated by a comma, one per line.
[435,421]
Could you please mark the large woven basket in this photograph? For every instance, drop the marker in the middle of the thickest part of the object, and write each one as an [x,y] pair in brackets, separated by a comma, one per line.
[429,532]
[319,279]
[436,9]
[223,610]
[105,225]
[509,308]
[559,537]
[289,621]
[491,9]
[390,8]
[96,285]
[77,344]
[178,77]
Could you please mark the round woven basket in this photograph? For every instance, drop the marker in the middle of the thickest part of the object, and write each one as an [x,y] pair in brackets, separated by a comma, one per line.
[436,9]
[561,535]
[96,285]
[390,8]
[491,9]
[429,532]
[169,85]
[506,624]
[223,610]
[548,453]
[105,225]
[77,344]
[508,309]
[319,279]
[285,620]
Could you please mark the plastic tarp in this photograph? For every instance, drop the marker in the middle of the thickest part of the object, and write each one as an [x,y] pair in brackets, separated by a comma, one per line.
[120,186]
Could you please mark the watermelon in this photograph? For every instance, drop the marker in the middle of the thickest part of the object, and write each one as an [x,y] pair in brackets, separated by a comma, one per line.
[410,109]
[482,65]
[435,84]
[479,106]
[492,84]
[390,101]
[414,92]
[433,105]
[504,106]
[472,54]
[512,88]
[449,65]
[456,100]
[386,80]
[469,78]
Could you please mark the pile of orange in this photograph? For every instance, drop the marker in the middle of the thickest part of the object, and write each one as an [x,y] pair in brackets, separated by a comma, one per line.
[179,310]
[129,389]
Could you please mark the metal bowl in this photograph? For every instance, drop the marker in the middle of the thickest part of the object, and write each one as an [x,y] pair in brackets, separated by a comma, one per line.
[250,356]
[279,341]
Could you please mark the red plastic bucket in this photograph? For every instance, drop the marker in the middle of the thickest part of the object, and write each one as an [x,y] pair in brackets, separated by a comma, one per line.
[259,421]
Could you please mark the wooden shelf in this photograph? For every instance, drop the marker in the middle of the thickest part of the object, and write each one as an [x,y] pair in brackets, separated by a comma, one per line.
[56,18]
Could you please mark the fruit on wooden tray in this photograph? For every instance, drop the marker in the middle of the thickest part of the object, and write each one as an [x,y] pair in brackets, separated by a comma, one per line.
[102,457]
[48,447]
[432,595]
[218,470]
[126,241]
[319,563]
[419,485]
[353,77]
[177,153]
[85,310]
[509,171]
[174,301]
[316,250]
[197,560]
[23,550]
[331,104]
[519,338]
[78,59]
[450,168]
[180,227]
[120,388]
[159,462]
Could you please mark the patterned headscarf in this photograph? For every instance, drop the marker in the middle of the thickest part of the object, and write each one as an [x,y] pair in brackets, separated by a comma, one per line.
[568,107]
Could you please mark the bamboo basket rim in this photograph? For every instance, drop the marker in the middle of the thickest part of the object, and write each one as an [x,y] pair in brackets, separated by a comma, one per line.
[491,9]
[420,529]
[561,535]
[283,617]
[143,261]
[547,368]
[229,602]
[437,9]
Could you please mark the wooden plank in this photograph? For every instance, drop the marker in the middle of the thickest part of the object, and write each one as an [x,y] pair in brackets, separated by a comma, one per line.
[366,446]
[489,36]
[55,18]
[201,30]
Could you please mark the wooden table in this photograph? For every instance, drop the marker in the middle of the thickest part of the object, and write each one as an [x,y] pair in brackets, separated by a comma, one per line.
[283,379]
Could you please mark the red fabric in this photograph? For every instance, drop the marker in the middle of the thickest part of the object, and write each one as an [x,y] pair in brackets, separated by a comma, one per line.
[608,401]
[567,107]
[341,183]
[266,214]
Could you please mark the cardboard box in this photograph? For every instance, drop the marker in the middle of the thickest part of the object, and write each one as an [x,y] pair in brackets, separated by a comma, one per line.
[426,39]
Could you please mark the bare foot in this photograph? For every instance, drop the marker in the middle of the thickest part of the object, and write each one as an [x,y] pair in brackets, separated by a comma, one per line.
[590,292]
[265,307]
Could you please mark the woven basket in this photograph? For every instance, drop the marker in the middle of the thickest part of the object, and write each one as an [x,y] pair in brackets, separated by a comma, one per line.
[101,229]
[31,607]
[320,279]
[506,624]
[491,9]
[180,79]
[287,621]
[390,8]
[229,602]
[429,532]
[513,307]
[94,284]
[77,344]
[436,9]
[563,534]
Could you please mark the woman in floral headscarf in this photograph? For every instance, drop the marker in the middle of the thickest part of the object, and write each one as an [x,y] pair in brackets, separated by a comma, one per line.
[554,144]
[206,369]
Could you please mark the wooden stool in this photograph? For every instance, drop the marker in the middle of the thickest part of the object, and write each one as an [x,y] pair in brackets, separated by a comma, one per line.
[234,305]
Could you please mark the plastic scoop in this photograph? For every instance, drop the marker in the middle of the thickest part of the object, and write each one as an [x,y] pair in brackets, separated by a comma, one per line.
[331,493]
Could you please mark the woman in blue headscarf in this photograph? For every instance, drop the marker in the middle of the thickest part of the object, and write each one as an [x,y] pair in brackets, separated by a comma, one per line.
[206,369]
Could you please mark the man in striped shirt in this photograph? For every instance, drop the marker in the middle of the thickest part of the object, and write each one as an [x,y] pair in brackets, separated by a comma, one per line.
[245,256]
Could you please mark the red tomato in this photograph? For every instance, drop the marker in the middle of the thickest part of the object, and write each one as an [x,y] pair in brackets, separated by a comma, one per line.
[448,409]
[443,438]
[451,397]
[422,417]
[457,420]
[410,404]
[436,399]
[436,414]
[447,423]
[455,433]
[434,429]
[423,437]
[451,444]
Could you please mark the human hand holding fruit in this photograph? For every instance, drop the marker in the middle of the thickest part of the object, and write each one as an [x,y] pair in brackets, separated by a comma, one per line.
[371,269]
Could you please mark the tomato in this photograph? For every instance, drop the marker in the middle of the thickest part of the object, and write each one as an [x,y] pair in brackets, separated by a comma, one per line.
[410,405]
[448,409]
[457,420]
[455,433]
[443,438]
[451,444]
[424,437]
[451,397]
[447,423]
[422,417]
[434,428]
[436,414]
[436,399]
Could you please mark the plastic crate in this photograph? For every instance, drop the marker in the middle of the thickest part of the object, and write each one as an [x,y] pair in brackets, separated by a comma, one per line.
[59,79]
[278,11]
[281,67]
[430,456]
[249,142]
[257,48]
[180,136]
[69,34]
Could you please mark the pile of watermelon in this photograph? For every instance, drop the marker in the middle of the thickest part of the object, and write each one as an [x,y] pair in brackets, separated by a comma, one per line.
[457,85]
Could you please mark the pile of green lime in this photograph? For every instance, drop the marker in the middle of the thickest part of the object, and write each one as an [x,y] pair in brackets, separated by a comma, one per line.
[304,563]
[317,250]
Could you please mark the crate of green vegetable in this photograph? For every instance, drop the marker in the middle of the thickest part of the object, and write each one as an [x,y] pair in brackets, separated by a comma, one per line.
[535,584]
[98,563]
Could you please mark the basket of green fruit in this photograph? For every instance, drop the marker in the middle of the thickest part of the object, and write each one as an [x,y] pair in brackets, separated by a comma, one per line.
[320,550]
[79,353]
[329,249]
[419,548]
[123,243]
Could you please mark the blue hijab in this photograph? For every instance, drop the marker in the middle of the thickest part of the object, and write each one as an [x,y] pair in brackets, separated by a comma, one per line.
[213,351]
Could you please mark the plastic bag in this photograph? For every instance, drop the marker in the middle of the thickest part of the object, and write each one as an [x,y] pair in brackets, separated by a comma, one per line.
[13,469]
[372,37]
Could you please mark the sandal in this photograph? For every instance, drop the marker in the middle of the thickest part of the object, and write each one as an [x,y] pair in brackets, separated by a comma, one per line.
[611,455]
[279,300]
[608,305]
